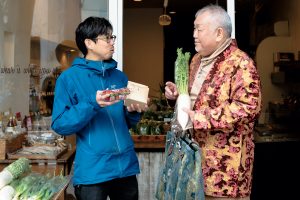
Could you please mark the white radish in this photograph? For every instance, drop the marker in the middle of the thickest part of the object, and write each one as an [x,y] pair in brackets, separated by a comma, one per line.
[5,178]
[183,101]
[7,193]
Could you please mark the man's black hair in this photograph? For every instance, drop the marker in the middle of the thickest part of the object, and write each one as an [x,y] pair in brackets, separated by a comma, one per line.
[91,28]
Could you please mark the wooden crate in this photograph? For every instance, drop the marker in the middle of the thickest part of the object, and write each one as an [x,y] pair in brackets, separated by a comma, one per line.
[12,144]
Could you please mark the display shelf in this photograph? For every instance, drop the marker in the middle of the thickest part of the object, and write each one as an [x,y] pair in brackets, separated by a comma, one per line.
[288,72]
[154,142]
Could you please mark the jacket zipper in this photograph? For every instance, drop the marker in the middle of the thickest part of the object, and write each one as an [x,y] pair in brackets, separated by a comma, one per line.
[113,126]
[109,115]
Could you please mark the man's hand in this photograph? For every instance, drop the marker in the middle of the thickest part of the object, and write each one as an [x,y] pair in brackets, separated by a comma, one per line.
[100,98]
[171,91]
[138,107]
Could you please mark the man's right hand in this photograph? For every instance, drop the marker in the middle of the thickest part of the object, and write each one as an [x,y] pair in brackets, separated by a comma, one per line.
[101,99]
[171,91]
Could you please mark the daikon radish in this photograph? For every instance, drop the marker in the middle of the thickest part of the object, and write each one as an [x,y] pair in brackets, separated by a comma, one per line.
[5,178]
[183,101]
[181,81]
[7,193]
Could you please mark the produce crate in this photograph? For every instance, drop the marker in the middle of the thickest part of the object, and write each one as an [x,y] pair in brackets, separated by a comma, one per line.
[11,144]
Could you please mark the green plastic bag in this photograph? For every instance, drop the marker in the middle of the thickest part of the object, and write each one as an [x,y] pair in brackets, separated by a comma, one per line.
[181,176]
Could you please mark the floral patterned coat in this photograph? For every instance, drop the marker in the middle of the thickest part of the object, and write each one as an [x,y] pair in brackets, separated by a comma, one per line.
[226,108]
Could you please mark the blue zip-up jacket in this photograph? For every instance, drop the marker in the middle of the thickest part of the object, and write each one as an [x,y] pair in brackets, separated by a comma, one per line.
[104,147]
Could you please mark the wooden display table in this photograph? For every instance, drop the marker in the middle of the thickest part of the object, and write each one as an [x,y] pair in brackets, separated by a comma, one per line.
[62,164]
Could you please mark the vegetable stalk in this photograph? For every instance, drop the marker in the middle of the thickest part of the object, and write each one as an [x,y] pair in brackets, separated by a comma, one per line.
[181,71]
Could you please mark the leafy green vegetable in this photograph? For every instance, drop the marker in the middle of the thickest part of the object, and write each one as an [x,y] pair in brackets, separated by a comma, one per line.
[18,167]
[181,71]
[36,186]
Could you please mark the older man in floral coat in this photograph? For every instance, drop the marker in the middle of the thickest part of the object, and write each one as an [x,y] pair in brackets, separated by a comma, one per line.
[226,97]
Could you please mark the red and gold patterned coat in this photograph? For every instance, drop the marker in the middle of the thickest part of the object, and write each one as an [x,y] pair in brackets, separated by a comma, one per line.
[226,108]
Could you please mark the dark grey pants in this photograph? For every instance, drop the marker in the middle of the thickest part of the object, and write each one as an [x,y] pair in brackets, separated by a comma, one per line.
[116,189]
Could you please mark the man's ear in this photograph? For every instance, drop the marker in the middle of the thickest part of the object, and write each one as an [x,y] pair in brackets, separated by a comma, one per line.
[220,34]
[89,43]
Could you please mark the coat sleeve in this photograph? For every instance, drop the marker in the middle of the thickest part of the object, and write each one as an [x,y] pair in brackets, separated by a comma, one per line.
[68,115]
[242,105]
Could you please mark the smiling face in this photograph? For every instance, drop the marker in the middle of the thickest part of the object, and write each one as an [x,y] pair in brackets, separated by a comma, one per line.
[207,35]
[100,48]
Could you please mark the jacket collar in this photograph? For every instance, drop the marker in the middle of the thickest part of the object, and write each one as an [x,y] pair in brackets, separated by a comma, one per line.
[98,67]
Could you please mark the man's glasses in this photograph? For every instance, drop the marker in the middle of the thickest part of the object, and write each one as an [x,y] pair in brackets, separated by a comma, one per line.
[107,38]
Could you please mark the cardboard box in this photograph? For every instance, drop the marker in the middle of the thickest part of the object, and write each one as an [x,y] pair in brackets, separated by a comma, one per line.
[138,94]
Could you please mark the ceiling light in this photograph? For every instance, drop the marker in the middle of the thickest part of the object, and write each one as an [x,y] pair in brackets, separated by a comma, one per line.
[164,19]
[137,0]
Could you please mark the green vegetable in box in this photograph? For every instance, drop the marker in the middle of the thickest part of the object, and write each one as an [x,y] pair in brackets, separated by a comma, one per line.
[13,171]
[18,167]
[37,186]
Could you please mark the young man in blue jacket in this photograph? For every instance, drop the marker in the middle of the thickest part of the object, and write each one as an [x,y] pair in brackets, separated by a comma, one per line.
[105,163]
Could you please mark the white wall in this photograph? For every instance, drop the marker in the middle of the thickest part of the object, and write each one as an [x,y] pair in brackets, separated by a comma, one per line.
[53,21]
[143,47]
[14,85]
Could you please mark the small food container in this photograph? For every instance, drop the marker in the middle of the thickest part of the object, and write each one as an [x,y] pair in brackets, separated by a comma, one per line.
[116,94]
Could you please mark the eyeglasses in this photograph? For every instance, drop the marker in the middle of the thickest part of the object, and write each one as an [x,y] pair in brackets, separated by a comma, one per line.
[107,38]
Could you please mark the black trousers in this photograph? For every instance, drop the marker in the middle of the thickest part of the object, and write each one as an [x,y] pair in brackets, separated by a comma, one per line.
[116,189]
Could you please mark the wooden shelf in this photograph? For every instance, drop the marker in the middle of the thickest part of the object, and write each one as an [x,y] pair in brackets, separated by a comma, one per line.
[149,142]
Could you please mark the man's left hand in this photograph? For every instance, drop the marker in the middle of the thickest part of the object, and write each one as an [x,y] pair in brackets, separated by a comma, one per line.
[190,112]
[137,108]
